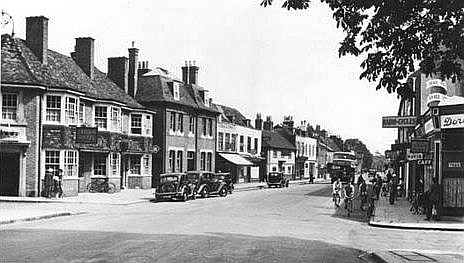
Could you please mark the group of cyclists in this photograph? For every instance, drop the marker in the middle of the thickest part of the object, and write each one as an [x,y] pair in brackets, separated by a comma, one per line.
[348,193]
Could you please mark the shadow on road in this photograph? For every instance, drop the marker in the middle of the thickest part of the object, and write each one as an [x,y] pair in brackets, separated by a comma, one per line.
[93,246]
[357,214]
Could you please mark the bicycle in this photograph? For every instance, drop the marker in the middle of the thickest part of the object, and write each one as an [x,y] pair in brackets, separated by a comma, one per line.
[349,205]
[101,185]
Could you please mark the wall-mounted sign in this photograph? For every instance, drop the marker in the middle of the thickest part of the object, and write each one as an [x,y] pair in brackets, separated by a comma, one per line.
[424,162]
[455,164]
[399,146]
[414,156]
[399,121]
[434,97]
[452,121]
[86,135]
[428,126]
[419,146]
[435,83]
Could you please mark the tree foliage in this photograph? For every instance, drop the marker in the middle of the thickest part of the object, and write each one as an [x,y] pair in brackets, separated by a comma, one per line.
[397,35]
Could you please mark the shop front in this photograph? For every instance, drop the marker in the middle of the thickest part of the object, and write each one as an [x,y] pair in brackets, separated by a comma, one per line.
[238,166]
[87,155]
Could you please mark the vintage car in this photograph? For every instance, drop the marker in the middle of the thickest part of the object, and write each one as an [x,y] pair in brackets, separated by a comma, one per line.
[227,178]
[207,183]
[277,179]
[175,186]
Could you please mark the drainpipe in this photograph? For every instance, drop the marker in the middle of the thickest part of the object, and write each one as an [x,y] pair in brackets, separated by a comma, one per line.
[39,170]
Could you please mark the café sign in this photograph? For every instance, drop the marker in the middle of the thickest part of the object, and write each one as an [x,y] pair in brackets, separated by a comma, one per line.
[452,121]
[424,162]
[399,121]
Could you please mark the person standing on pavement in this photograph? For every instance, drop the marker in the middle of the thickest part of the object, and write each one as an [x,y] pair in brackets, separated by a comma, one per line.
[393,188]
[362,190]
[57,183]
[48,183]
[434,200]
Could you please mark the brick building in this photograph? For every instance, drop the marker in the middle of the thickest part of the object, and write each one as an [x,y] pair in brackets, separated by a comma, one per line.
[61,112]
[185,119]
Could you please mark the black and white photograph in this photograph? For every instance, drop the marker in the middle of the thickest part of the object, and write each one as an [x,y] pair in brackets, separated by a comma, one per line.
[212,131]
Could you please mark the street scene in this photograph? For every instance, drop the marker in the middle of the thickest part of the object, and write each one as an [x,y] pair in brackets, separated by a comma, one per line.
[232,131]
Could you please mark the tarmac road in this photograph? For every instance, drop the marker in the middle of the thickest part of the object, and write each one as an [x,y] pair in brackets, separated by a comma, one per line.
[295,224]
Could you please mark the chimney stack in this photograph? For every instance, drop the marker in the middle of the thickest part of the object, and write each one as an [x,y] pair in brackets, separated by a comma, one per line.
[258,122]
[185,71]
[193,73]
[37,36]
[288,121]
[83,54]
[133,71]
[118,71]
[268,125]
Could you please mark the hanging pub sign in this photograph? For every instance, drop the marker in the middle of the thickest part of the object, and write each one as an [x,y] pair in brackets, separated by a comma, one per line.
[424,162]
[419,146]
[86,135]
[452,121]
[399,121]
[428,126]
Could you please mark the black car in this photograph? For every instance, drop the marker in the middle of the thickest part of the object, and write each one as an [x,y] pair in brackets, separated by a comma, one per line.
[227,178]
[175,186]
[277,179]
[208,183]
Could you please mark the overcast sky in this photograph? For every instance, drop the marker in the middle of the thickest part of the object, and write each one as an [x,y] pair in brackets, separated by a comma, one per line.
[266,60]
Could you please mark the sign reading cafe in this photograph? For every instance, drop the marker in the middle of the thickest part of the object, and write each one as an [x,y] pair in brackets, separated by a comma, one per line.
[452,121]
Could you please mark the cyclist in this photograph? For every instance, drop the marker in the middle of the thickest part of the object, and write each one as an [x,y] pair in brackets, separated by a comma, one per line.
[336,189]
[349,194]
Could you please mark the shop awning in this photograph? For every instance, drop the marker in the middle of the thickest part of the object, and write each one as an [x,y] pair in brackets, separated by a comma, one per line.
[235,159]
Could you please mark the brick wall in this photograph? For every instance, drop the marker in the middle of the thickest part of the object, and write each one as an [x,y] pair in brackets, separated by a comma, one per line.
[31,101]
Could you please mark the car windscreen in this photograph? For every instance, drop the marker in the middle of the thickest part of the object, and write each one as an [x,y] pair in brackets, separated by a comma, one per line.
[166,179]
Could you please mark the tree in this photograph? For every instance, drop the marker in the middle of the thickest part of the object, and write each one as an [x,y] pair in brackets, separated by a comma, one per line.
[397,35]
[360,149]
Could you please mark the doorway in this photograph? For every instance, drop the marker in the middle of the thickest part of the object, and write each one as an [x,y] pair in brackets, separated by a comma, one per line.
[9,174]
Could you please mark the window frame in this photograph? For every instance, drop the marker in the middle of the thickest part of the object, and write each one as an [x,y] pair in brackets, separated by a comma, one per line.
[16,107]
[106,117]
[105,165]
[179,161]
[116,123]
[139,127]
[115,165]
[56,118]
[220,141]
[135,165]
[73,164]
[191,125]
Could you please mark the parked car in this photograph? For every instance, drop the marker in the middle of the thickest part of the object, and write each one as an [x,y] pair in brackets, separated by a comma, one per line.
[175,186]
[277,179]
[207,183]
[227,177]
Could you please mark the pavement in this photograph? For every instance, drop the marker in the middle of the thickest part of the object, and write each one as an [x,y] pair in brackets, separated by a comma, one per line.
[399,216]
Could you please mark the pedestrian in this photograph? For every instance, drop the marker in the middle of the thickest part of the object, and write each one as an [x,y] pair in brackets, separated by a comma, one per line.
[48,183]
[363,194]
[393,188]
[311,178]
[57,183]
[434,200]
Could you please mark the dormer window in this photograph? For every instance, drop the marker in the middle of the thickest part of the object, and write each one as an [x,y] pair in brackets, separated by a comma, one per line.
[176,90]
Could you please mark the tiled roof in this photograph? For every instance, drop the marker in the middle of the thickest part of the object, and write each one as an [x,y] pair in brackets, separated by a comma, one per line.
[228,112]
[272,139]
[155,88]
[21,66]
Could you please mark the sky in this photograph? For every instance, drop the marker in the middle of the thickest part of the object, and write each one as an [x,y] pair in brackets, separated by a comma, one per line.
[258,60]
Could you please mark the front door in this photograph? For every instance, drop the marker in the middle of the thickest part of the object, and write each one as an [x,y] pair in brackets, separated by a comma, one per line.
[9,174]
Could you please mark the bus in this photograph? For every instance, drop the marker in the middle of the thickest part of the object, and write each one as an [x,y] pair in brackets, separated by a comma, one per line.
[343,166]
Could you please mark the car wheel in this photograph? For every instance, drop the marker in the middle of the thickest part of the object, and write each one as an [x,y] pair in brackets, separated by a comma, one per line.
[223,192]
[204,192]
[90,188]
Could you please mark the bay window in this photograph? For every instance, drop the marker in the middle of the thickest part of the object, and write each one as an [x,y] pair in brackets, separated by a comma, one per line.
[53,108]
[71,110]
[116,119]
[136,123]
[101,117]
[52,160]
[148,125]
[70,163]
[114,164]
[9,106]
